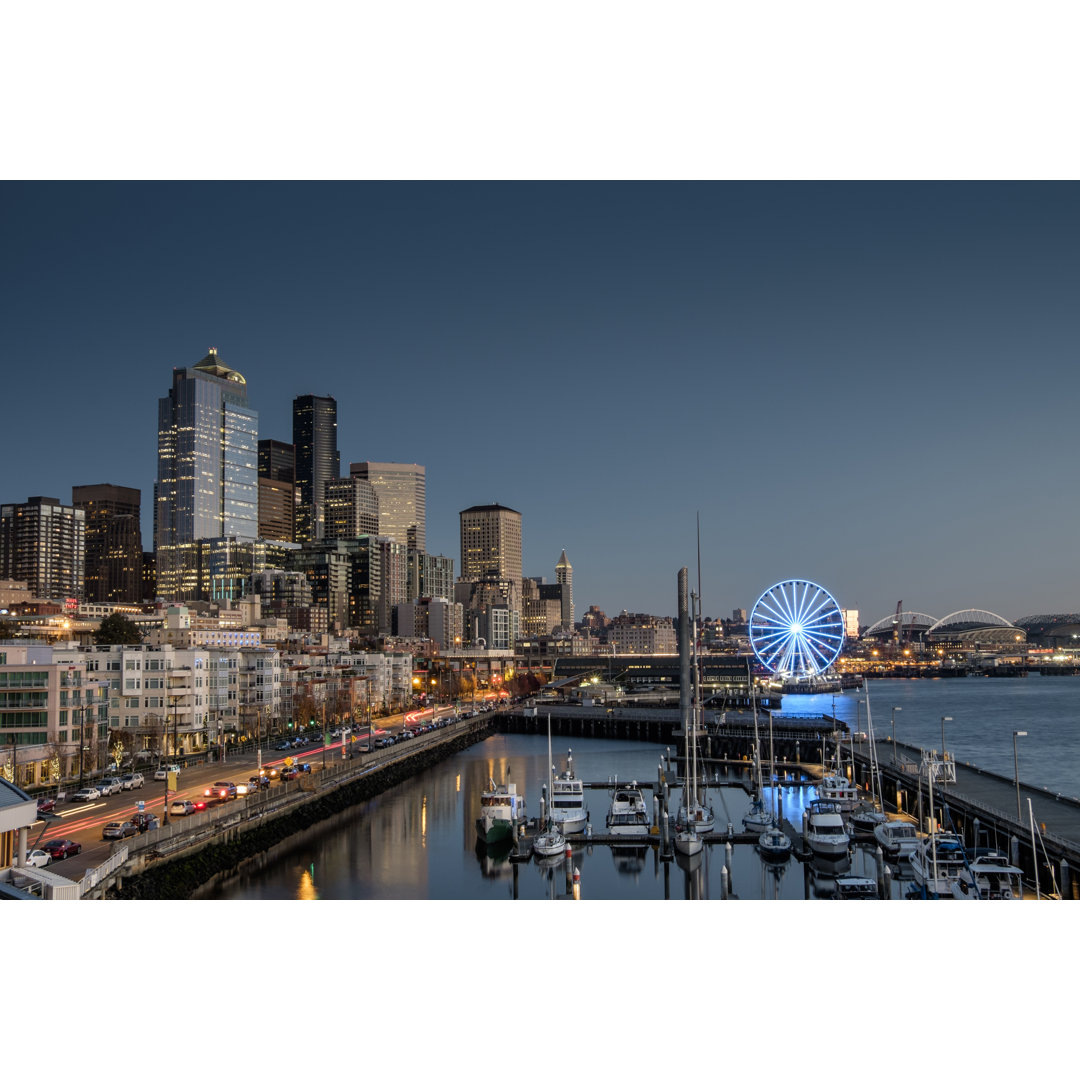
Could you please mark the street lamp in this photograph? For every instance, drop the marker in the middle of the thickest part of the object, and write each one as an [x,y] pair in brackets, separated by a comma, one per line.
[895,710]
[1016,772]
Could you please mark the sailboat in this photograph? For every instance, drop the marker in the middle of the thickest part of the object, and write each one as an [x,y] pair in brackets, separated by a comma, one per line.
[694,817]
[868,815]
[550,841]
[773,843]
[687,836]
[757,818]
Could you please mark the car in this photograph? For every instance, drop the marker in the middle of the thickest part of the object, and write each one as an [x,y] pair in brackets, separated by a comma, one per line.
[257,783]
[164,770]
[221,790]
[38,858]
[181,807]
[269,771]
[109,786]
[61,849]
[132,780]
[284,746]
[144,821]
[119,830]
[46,804]
[303,766]
[290,772]
[86,794]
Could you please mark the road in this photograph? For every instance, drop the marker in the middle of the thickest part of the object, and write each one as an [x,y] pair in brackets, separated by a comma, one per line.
[83,822]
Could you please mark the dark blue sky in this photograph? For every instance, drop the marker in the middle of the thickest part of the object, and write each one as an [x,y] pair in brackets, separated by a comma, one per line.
[871,385]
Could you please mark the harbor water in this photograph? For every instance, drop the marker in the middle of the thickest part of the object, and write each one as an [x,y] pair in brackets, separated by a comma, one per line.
[418,841]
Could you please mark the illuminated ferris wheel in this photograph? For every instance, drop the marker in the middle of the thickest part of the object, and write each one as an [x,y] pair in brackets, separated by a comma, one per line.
[796,629]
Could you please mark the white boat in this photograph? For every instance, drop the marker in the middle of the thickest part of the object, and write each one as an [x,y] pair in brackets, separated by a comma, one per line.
[774,844]
[839,790]
[824,831]
[549,842]
[568,809]
[627,815]
[758,818]
[898,839]
[936,864]
[502,812]
[989,876]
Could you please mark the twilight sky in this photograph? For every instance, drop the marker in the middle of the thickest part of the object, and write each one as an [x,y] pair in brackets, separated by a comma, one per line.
[870,385]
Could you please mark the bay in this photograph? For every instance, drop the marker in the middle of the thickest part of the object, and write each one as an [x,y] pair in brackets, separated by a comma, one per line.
[418,841]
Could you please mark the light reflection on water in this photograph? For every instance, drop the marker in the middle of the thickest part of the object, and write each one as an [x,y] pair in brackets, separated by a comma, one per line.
[418,841]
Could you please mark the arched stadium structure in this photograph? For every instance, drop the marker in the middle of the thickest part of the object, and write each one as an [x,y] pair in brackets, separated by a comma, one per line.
[1052,631]
[975,625]
[913,626]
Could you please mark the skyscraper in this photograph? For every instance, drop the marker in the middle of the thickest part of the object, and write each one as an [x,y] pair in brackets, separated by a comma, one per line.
[564,575]
[352,508]
[490,543]
[317,460]
[490,580]
[114,553]
[207,482]
[43,544]
[402,500]
[277,491]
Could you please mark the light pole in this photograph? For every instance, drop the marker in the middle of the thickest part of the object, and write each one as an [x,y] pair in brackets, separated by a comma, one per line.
[895,710]
[1016,772]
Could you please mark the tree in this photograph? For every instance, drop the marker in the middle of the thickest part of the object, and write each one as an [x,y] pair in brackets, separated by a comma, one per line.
[117,629]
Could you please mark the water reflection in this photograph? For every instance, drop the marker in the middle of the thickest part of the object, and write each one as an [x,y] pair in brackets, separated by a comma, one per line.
[305,889]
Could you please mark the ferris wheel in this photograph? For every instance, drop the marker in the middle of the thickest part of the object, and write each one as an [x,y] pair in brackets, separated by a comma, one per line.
[796,629]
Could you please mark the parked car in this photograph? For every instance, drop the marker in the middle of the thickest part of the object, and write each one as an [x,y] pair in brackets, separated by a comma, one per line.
[109,786]
[284,746]
[38,858]
[132,780]
[46,804]
[221,790]
[164,770]
[86,794]
[119,830]
[181,807]
[61,849]
[145,821]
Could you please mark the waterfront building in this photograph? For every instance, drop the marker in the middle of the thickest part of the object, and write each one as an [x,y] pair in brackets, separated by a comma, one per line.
[850,617]
[52,704]
[12,593]
[317,461]
[207,485]
[402,494]
[564,575]
[113,549]
[352,508]
[43,544]
[642,634]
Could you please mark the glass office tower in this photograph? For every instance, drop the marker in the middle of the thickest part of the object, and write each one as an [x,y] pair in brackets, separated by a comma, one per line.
[208,480]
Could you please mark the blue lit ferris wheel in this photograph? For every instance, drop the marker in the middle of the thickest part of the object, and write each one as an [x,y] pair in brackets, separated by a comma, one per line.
[796,629]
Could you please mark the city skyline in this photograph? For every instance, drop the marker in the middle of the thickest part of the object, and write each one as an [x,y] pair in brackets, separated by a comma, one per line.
[867,385]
